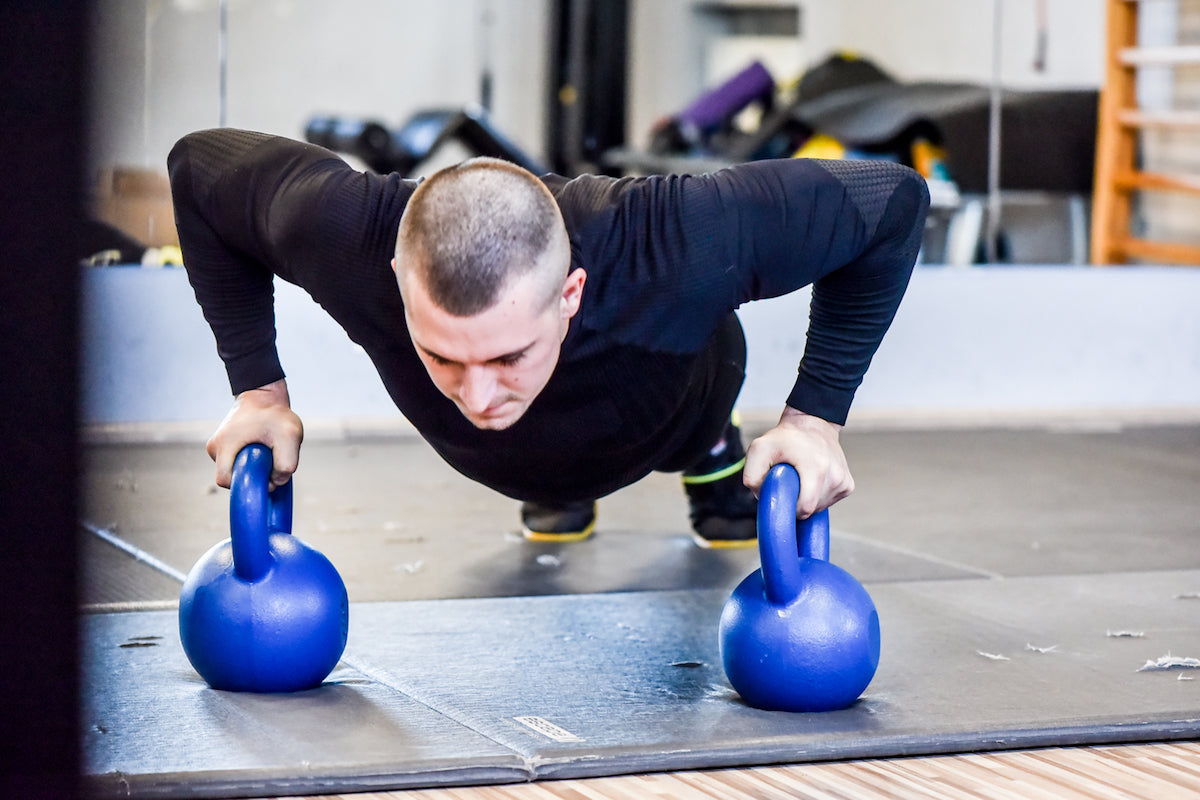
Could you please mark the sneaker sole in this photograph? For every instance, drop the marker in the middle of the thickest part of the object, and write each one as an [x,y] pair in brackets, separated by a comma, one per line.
[724,544]
[565,537]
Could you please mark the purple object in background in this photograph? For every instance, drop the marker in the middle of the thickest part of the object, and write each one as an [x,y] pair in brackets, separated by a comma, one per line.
[716,106]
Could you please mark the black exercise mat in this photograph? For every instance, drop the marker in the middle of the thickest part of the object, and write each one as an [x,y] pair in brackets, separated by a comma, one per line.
[154,729]
[513,689]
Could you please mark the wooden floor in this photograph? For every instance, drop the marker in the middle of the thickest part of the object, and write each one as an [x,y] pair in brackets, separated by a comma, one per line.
[1130,772]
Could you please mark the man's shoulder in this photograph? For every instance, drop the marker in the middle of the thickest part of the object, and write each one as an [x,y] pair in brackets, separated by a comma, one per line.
[587,198]
[583,187]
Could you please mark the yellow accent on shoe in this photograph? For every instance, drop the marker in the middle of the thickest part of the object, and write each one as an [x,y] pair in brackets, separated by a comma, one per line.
[565,537]
[724,472]
[723,544]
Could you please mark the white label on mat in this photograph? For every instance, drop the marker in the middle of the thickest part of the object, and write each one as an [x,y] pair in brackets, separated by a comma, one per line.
[548,729]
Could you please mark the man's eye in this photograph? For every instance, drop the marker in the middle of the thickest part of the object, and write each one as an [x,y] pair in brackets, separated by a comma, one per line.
[510,360]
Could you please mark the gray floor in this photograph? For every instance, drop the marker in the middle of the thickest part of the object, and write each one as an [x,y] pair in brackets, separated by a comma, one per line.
[401,525]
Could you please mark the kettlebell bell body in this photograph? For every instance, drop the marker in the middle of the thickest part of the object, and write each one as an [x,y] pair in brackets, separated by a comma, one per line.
[262,611]
[799,634]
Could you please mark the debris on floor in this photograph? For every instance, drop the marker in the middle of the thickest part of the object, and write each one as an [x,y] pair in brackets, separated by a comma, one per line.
[1169,662]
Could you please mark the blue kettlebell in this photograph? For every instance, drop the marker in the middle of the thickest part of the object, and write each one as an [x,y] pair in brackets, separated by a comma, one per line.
[262,611]
[800,634]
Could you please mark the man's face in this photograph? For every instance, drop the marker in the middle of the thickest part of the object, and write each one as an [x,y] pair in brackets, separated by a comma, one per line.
[495,363]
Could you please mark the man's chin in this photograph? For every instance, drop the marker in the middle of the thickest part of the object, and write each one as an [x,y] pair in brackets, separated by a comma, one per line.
[493,424]
[497,422]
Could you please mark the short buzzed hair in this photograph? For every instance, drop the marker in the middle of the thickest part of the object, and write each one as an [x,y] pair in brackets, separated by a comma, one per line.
[470,229]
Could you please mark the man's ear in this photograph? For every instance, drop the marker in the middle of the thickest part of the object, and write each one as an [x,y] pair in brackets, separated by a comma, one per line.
[399,278]
[572,293]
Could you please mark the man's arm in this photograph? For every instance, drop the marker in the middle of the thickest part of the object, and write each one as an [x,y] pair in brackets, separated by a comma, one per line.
[250,207]
[853,229]
[217,217]
[236,293]
[247,208]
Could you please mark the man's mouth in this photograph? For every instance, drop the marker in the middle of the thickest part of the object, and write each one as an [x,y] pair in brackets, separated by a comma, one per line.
[497,411]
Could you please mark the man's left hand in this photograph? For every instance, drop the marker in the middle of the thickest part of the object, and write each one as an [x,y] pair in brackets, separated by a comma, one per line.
[811,445]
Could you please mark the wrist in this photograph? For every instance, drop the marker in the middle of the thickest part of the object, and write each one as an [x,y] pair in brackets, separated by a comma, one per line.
[799,419]
[271,394]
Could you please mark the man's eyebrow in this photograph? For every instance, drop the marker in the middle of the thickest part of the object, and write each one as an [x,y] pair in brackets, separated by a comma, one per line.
[515,354]
[432,354]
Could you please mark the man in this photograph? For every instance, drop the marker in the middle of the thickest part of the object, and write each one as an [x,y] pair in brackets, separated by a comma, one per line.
[555,339]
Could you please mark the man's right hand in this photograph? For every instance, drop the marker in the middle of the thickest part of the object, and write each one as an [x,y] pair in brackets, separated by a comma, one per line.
[264,416]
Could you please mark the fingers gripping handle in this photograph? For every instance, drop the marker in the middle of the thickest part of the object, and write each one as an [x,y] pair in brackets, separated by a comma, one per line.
[255,512]
[782,541]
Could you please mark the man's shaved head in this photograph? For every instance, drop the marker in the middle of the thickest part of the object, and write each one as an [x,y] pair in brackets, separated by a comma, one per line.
[469,230]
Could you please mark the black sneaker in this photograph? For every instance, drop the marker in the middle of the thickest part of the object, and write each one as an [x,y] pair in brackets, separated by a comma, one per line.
[568,522]
[723,511]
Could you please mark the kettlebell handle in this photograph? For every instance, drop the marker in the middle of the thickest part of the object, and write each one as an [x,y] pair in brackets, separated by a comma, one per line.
[782,539]
[255,511]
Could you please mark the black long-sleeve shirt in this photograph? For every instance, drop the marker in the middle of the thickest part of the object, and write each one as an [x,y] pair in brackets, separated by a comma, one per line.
[667,258]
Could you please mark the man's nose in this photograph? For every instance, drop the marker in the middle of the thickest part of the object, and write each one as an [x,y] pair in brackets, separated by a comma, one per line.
[478,388]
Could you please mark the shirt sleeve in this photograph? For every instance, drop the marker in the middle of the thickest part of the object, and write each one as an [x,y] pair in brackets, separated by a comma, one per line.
[249,207]
[850,228]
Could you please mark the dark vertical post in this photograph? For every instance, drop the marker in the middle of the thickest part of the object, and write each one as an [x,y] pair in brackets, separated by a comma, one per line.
[42,56]
[588,84]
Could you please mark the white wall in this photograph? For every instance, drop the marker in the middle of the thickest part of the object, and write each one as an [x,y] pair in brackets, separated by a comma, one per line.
[968,346]
[953,39]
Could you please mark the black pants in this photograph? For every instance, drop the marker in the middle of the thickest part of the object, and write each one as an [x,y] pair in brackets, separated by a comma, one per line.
[727,371]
